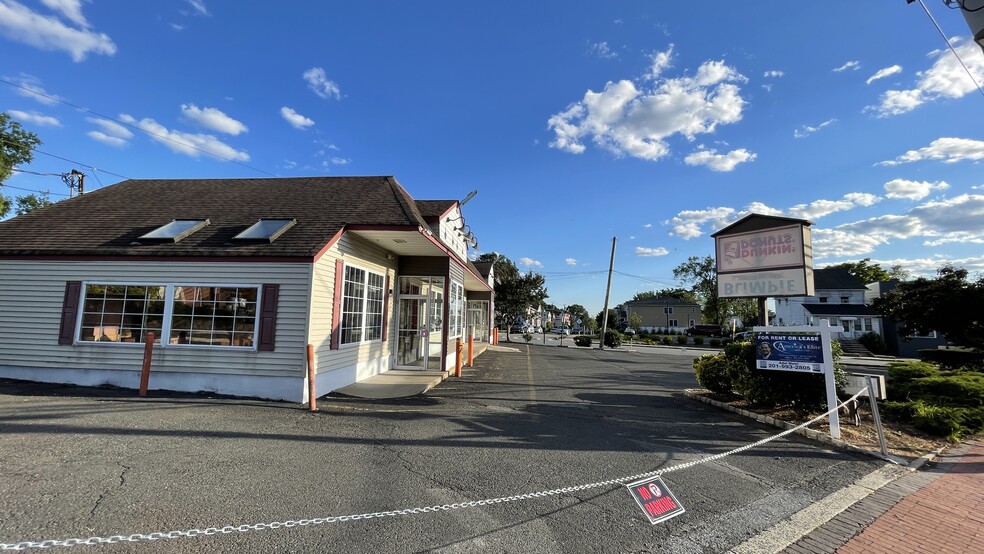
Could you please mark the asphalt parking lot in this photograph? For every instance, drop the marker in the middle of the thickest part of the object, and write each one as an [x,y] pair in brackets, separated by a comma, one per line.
[80,462]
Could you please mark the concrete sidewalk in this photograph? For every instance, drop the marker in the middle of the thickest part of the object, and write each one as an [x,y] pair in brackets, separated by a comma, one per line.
[939,508]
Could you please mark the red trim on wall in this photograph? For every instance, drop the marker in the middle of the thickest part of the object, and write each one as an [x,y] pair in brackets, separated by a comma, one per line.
[454,257]
[128,258]
[336,305]
[328,246]
[70,312]
[268,317]
[386,297]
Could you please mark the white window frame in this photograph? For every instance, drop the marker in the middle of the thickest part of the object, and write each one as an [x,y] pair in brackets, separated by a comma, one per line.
[167,321]
[365,300]
[456,301]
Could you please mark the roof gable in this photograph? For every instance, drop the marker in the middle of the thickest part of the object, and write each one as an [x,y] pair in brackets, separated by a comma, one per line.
[835,278]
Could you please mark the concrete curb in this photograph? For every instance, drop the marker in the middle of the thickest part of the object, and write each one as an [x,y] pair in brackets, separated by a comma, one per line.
[809,433]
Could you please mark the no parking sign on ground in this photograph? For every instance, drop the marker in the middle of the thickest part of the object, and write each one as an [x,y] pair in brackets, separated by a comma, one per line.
[655,499]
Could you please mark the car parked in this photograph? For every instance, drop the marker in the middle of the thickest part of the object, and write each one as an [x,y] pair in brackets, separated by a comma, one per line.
[517,328]
[561,330]
[705,330]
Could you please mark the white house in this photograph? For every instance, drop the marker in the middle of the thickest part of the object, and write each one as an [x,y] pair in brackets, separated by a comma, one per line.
[235,278]
[839,298]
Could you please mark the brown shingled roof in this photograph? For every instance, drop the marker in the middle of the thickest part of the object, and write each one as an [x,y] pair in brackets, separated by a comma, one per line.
[108,221]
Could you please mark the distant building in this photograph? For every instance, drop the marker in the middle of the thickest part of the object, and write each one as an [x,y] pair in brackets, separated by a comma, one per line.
[839,299]
[659,313]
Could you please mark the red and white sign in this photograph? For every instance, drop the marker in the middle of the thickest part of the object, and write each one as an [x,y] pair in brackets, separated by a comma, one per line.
[655,499]
[772,248]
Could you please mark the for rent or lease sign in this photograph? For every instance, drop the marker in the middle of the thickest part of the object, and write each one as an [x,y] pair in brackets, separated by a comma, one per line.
[787,352]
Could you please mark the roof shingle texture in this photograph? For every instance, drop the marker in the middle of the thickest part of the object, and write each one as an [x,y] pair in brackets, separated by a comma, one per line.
[107,222]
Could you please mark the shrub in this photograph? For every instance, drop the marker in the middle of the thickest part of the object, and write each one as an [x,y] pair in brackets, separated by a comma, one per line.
[805,391]
[698,340]
[681,339]
[667,340]
[713,373]
[952,359]
[713,341]
[902,374]
[938,420]
[527,336]
[582,340]
[954,390]
[613,339]
[873,342]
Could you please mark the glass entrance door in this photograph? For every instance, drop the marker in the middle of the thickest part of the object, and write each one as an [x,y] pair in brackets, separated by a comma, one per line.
[421,331]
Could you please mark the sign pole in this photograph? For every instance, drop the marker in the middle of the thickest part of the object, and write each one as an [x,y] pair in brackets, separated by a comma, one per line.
[828,375]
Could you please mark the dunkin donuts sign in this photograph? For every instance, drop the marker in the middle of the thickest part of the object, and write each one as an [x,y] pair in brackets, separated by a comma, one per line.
[774,248]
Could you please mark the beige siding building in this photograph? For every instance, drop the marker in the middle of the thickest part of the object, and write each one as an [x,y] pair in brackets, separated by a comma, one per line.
[233,279]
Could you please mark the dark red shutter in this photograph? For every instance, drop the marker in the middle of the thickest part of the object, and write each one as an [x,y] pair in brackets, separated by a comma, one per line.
[336,305]
[386,296]
[70,312]
[268,317]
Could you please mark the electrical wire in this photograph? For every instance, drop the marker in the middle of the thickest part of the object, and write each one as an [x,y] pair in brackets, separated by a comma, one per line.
[34,191]
[952,49]
[134,127]
[92,167]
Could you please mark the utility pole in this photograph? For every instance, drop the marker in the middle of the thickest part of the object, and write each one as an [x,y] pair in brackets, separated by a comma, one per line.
[70,180]
[608,291]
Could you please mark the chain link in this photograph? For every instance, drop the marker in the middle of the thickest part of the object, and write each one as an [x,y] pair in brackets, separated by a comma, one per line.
[138,537]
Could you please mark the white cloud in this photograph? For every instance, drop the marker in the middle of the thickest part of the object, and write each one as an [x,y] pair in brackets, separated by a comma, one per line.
[687,224]
[107,139]
[690,224]
[112,128]
[947,78]
[773,73]
[199,7]
[602,50]
[647,225]
[912,190]
[571,262]
[807,130]
[29,86]
[948,149]
[321,85]
[720,162]
[628,120]
[212,119]
[35,118]
[290,164]
[955,220]
[648,252]
[821,208]
[296,120]
[21,24]
[189,144]
[69,9]
[884,72]
[530,262]
[855,65]
[340,161]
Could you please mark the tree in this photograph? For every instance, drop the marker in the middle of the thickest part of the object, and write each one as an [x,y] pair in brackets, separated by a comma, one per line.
[612,316]
[675,293]
[865,271]
[31,202]
[577,312]
[949,304]
[515,293]
[701,274]
[898,273]
[16,148]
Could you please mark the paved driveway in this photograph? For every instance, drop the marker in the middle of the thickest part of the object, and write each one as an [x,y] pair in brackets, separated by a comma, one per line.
[78,463]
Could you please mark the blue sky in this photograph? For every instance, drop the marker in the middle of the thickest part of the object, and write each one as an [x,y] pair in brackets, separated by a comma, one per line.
[654,122]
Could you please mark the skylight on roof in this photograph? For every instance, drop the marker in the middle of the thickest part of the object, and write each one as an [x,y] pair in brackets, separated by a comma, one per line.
[266,230]
[176,230]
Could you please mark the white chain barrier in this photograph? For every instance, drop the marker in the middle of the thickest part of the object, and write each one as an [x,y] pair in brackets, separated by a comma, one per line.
[140,537]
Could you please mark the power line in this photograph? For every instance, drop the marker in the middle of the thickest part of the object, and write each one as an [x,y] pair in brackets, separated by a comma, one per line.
[135,127]
[92,167]
[952,49]
[34,191]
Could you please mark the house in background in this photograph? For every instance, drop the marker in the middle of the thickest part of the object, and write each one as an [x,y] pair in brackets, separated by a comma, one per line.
[659,313]
[234,278]
[896,344]
[839,298]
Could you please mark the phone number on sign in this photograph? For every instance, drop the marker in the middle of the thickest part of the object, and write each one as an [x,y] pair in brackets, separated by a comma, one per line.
[790,366]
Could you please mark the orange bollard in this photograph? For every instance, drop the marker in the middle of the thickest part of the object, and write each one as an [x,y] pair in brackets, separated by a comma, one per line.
[145,371]
[312,389]
[471,350]
[457,357]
